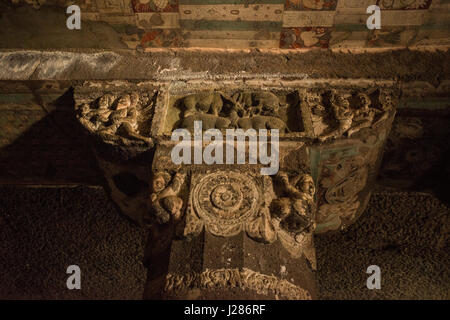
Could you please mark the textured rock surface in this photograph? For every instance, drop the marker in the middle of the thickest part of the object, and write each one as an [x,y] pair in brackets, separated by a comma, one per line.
[43,230]
[405,234]
[173,64]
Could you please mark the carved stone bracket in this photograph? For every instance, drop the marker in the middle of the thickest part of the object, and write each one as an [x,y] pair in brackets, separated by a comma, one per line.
[331,135]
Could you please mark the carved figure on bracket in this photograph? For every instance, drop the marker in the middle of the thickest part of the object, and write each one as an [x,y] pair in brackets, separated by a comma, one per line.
[296,208]
[340,107]
[164,203]
[113,119]
[387,106]
[363,115]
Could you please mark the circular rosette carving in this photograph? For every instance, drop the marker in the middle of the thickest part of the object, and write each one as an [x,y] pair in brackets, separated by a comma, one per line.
[225,200]
[227,197]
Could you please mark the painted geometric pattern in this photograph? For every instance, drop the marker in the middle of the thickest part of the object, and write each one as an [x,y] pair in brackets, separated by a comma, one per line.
[310,5]
[154,5]
[286,24]
[404,4]
[309,37]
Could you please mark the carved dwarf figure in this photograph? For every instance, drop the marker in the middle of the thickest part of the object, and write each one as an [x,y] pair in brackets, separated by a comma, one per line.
[342,113]
[296,208]
[112,122]
[164,202]
[123,120]
[96,119]
[363,115]
[387,105]
[314,102]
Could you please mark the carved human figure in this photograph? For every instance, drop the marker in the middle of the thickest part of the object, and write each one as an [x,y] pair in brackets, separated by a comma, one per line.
[86,116]
[295,209]
[363,114]
[164,202]
[123,120]
[387,105]
[96,118]
[340,107]
[314,102]
[111,121]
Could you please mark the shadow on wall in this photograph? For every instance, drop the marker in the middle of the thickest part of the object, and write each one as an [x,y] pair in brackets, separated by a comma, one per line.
[417,154]
[52,150]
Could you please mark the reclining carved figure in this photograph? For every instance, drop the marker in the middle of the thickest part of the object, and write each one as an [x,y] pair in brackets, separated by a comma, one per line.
[209,121]
[111,122]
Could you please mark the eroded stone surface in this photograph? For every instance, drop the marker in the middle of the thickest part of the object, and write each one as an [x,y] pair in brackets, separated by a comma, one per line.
[328,161]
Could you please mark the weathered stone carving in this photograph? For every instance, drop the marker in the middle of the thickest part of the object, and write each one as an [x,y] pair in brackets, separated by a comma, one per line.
[343,177]
[293,212]
[343,113]
[229,216]
[235,278]
[205,102]
[245,110]
[115,118]
[164,203]
[340,108]
[226,203]
[296,208]
[208,122]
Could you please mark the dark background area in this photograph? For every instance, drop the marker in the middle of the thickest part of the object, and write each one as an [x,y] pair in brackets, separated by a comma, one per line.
[44,230]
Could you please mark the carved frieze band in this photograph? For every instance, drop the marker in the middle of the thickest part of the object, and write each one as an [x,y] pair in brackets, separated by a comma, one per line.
[125,118]
[245,279]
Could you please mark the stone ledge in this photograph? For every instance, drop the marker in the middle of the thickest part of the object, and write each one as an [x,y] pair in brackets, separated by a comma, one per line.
[181,64]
